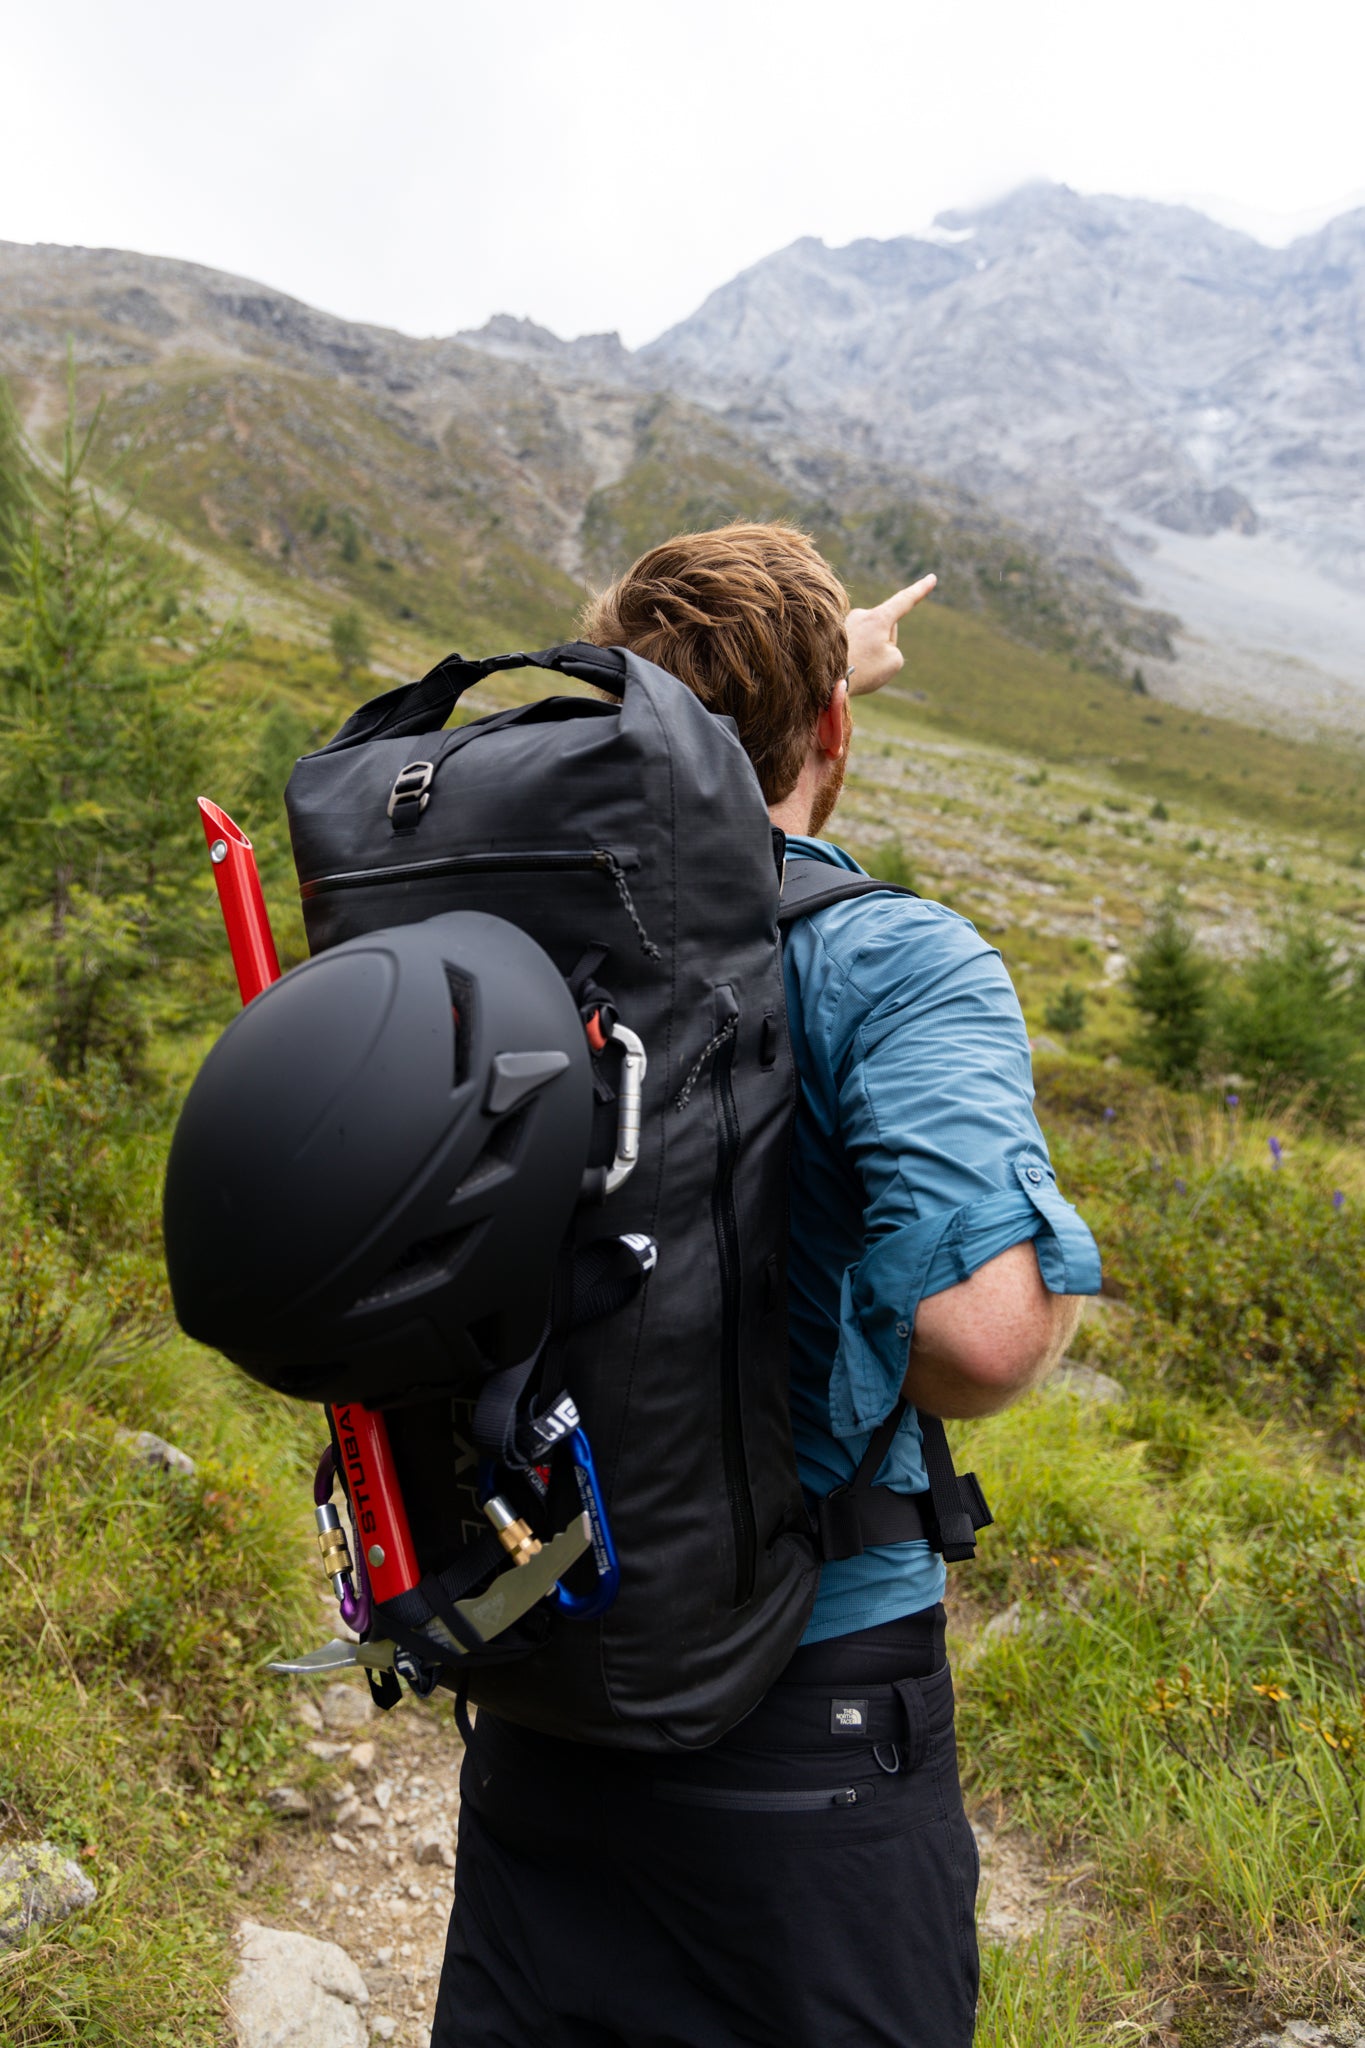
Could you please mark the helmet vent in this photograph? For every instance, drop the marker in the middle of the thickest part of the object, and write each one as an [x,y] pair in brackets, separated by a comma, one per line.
[428,1260]
[462,1018]
[496,1155]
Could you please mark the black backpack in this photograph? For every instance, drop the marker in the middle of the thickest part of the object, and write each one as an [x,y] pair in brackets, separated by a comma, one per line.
[630,838]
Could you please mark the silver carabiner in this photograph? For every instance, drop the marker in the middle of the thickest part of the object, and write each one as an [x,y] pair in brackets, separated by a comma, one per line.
[631,1096]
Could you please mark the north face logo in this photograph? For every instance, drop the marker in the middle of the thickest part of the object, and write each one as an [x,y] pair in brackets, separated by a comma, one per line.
[847,1717]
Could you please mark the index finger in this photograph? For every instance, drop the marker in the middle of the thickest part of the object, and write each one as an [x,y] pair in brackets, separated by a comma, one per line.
[903,601]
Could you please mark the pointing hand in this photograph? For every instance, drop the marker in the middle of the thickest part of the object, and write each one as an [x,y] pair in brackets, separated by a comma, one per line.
[872,650]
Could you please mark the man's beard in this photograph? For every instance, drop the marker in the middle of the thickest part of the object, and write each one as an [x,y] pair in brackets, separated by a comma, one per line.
[823,807]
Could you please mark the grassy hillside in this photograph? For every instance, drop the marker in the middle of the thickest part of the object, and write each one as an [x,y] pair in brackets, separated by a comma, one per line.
[316,493]
[965,681]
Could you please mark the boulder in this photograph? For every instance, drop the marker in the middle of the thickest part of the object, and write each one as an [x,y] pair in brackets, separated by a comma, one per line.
[39,1885]
[292,1991]
[1085,1384]
[433,1845]
[154,1453]
[346,1706]
[288,1802]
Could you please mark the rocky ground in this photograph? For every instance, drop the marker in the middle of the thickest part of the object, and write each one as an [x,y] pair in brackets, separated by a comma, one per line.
[367,1866]
[368,1869]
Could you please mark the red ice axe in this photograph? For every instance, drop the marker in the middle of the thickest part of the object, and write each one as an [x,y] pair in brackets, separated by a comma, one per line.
[387,1562]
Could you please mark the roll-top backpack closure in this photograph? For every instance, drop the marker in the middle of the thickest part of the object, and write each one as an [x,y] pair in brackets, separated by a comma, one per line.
[426,705]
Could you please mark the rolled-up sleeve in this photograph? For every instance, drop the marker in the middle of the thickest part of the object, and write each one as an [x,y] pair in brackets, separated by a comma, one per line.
[927,1047]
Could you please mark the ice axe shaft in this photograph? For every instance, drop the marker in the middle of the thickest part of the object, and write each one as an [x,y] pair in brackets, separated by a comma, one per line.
[243,906]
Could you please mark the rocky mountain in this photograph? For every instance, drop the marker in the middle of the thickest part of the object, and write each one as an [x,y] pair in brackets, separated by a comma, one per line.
[1121,431]
[1199,393]
[466,488]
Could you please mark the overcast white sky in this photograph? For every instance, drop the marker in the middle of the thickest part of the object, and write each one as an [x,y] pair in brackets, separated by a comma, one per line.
[599,164]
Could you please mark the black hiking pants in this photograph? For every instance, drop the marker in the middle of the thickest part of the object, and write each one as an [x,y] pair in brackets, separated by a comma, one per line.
[809,1882]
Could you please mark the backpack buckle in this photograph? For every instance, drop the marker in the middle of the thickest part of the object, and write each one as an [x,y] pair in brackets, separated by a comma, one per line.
[836,1526]
[410,795]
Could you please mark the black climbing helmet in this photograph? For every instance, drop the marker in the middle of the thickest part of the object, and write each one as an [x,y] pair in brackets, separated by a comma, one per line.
[377,1163]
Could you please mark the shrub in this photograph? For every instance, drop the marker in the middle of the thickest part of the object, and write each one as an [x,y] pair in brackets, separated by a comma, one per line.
[1066,1012]
[1170,984]
[1296,1018]
[18,499]
[101,735]
[350,642]
[1238,1283]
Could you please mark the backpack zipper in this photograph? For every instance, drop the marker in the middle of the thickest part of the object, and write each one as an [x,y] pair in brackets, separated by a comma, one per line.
[727,1244]
[604,860]
[757,1801]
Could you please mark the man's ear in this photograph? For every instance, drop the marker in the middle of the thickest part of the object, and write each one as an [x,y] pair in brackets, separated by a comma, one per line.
[829,726]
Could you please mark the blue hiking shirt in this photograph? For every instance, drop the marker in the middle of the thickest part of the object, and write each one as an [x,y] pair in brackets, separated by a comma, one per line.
[916,1158]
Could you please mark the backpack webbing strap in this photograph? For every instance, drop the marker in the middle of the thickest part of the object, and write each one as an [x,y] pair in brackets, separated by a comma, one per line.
[426,705]
[861,1514]
[498,1410]
[959,1504]
[478,1560]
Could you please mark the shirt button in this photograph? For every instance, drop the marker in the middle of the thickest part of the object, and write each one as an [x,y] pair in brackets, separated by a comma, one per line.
[902,1329]
[1034,1174]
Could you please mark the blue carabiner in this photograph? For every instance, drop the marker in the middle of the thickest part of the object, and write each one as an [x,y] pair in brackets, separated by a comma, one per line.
[587,1606]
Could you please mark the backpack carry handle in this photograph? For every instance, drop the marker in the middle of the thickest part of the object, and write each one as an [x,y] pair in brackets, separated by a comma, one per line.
[426,705]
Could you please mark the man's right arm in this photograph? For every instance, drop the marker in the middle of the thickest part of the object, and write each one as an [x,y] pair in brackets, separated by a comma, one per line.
[965,1292]
[979,1345]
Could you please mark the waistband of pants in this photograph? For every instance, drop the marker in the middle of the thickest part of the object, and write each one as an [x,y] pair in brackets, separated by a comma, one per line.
[912,1646]
[875,1685]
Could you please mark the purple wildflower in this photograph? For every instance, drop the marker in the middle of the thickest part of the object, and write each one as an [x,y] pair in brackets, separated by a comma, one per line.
[1276,1151]
[1232,1101]
[1109,1115]
[1338,1200]
[1180,1187]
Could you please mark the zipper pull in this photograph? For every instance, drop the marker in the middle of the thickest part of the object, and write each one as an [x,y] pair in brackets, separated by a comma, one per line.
[603,858]
[848,1797]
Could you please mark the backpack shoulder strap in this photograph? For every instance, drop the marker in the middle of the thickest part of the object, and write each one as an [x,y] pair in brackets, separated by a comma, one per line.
[810,885]
[949,1514]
